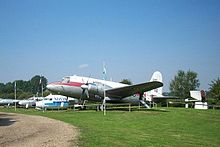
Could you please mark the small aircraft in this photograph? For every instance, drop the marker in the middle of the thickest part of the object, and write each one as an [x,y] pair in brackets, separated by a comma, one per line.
[198,98]
[31,102]
[91,89]
[53,102]
[8,102]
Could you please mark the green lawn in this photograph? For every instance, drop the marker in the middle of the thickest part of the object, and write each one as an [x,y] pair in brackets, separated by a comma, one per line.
[169,127]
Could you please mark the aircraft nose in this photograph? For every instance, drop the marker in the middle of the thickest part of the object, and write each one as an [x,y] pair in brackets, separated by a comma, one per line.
[53,87]
[49,87]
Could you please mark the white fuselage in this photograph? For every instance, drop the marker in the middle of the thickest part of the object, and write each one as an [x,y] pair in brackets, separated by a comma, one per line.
[86,88]
[53,102]
[8,101]
[27,103]
[71,86]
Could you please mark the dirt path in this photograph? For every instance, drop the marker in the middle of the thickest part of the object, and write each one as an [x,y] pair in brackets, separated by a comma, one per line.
[34,131]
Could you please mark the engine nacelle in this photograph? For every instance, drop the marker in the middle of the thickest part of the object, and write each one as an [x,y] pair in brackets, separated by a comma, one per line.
[96,89]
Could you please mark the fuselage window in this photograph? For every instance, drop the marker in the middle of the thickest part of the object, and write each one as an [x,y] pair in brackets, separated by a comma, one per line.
[66,80]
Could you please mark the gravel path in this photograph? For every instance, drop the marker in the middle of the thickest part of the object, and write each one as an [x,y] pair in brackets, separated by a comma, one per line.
[35,131]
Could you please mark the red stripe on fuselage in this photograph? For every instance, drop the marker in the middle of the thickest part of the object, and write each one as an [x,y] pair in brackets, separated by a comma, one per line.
[75,84]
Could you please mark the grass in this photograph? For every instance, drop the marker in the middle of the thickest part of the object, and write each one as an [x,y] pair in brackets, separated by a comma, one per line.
[170,127]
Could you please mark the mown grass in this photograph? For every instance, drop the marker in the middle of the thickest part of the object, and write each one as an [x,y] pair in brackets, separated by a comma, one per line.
[170,127]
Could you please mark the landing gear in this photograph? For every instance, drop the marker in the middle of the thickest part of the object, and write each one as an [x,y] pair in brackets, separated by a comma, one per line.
[100,107]
[83,107]
[141,101]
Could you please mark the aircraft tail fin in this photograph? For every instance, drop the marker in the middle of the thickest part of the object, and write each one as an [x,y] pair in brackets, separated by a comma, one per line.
[157,76]
[196,95]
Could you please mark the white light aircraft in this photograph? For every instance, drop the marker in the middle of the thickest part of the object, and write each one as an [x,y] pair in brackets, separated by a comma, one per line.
[86,88]
[53,102]
[199,97]
[31,102]
[196,96]
[8,102]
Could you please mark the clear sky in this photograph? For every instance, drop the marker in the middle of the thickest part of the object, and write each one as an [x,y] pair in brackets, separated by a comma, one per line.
[56,38]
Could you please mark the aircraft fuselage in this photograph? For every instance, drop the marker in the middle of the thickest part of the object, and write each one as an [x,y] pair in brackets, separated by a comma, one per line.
[72,87]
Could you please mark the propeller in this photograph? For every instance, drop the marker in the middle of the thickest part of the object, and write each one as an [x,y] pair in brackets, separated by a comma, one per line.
[85,88]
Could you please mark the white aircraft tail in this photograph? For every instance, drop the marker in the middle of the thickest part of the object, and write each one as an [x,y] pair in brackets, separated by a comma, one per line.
[157,76]
[196,95]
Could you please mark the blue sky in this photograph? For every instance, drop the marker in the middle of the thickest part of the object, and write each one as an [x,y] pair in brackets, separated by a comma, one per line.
[134,37]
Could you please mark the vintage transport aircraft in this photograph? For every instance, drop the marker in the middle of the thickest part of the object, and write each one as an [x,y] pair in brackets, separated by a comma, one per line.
[91,89]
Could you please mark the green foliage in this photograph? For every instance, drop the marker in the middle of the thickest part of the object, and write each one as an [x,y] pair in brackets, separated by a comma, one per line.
[47,92]
[24,89]
[183,82]
[214,90]
[170,127]
[24,95]
[36,82]
[126,81]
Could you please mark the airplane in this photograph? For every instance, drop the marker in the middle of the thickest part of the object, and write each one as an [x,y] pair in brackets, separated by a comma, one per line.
[31,102]
[53,102]
[91,89]
[8,102]
[198,98]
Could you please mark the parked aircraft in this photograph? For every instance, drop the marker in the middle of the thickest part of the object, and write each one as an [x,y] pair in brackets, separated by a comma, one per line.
[199,98]
[53,102]
[198,95]
[8,102]
[86,88]
[31,102]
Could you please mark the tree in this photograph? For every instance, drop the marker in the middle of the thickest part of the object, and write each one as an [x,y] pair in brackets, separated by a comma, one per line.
[214,89]
[36,82]
[126,81]
[183,82]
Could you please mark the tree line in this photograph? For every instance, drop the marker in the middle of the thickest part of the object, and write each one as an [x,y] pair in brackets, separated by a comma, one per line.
[25,89]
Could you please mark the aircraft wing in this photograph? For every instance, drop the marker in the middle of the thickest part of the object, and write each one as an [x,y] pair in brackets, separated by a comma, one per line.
[126,91]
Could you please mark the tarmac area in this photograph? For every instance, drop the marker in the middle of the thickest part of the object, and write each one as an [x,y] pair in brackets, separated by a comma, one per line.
[18,130]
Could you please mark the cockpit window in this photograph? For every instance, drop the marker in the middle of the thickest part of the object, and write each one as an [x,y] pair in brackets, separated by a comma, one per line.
[66,80]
